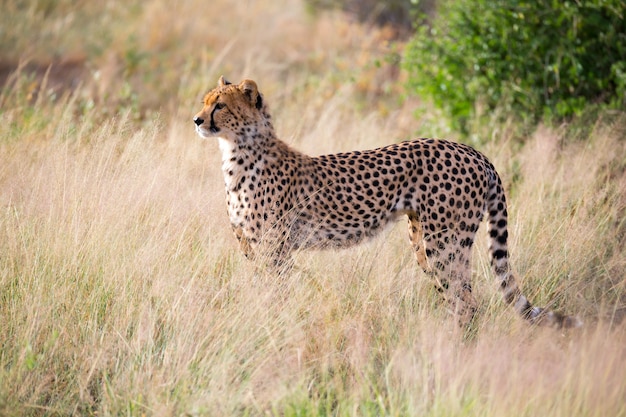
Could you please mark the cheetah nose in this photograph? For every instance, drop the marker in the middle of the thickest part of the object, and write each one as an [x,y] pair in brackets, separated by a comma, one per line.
[198,121]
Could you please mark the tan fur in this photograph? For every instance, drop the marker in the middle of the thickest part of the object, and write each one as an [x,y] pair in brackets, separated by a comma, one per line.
[280,200]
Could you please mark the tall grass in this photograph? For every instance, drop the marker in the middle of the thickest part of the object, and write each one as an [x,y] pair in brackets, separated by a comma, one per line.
[122,291]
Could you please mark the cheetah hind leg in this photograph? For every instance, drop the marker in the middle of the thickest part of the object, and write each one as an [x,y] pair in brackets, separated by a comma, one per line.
[416,237]
[448,263]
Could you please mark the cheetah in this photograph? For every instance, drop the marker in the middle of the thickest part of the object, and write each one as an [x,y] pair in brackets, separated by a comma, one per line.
[280,200]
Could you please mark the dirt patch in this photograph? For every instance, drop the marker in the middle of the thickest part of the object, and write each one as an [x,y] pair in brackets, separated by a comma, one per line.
[57,76]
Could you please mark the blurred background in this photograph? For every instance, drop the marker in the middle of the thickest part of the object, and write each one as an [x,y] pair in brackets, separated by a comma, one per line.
[470,62]
[122,288]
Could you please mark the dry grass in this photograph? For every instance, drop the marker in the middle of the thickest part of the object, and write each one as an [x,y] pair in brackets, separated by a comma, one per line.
[121,287]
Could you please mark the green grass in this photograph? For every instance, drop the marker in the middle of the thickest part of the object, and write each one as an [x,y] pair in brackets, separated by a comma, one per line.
[123,292]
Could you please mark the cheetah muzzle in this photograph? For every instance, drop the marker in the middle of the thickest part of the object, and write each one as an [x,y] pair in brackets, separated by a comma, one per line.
[280,200]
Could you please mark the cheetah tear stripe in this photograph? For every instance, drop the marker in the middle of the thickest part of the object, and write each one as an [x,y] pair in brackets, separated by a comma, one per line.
[280,200]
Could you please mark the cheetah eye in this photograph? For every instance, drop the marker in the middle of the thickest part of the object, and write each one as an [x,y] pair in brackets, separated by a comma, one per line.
[220,106]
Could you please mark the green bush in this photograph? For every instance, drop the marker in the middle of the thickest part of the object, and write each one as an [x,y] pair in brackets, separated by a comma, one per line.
[532,59]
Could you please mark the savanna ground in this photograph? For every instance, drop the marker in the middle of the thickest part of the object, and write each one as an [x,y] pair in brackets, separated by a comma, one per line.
[122,291]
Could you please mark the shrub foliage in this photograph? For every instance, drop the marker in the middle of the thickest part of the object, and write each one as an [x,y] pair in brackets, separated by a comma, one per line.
[536,59]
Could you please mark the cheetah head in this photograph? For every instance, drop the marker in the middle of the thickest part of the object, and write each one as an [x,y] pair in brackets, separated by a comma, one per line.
[230,111]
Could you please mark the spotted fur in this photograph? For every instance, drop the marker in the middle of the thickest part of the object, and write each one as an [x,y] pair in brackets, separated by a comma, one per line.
[280,200]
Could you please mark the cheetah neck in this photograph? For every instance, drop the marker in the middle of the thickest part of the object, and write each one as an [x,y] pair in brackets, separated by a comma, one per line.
[245,161]
[247,155]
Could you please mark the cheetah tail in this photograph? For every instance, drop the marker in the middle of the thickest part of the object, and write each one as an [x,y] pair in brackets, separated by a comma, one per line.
[499,257]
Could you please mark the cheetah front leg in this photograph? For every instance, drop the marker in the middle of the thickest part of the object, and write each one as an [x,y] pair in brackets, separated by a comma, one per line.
[244,243]
[274,259]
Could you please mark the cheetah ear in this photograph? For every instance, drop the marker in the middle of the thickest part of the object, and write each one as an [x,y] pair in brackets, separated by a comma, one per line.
[250,89]
[223,81]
